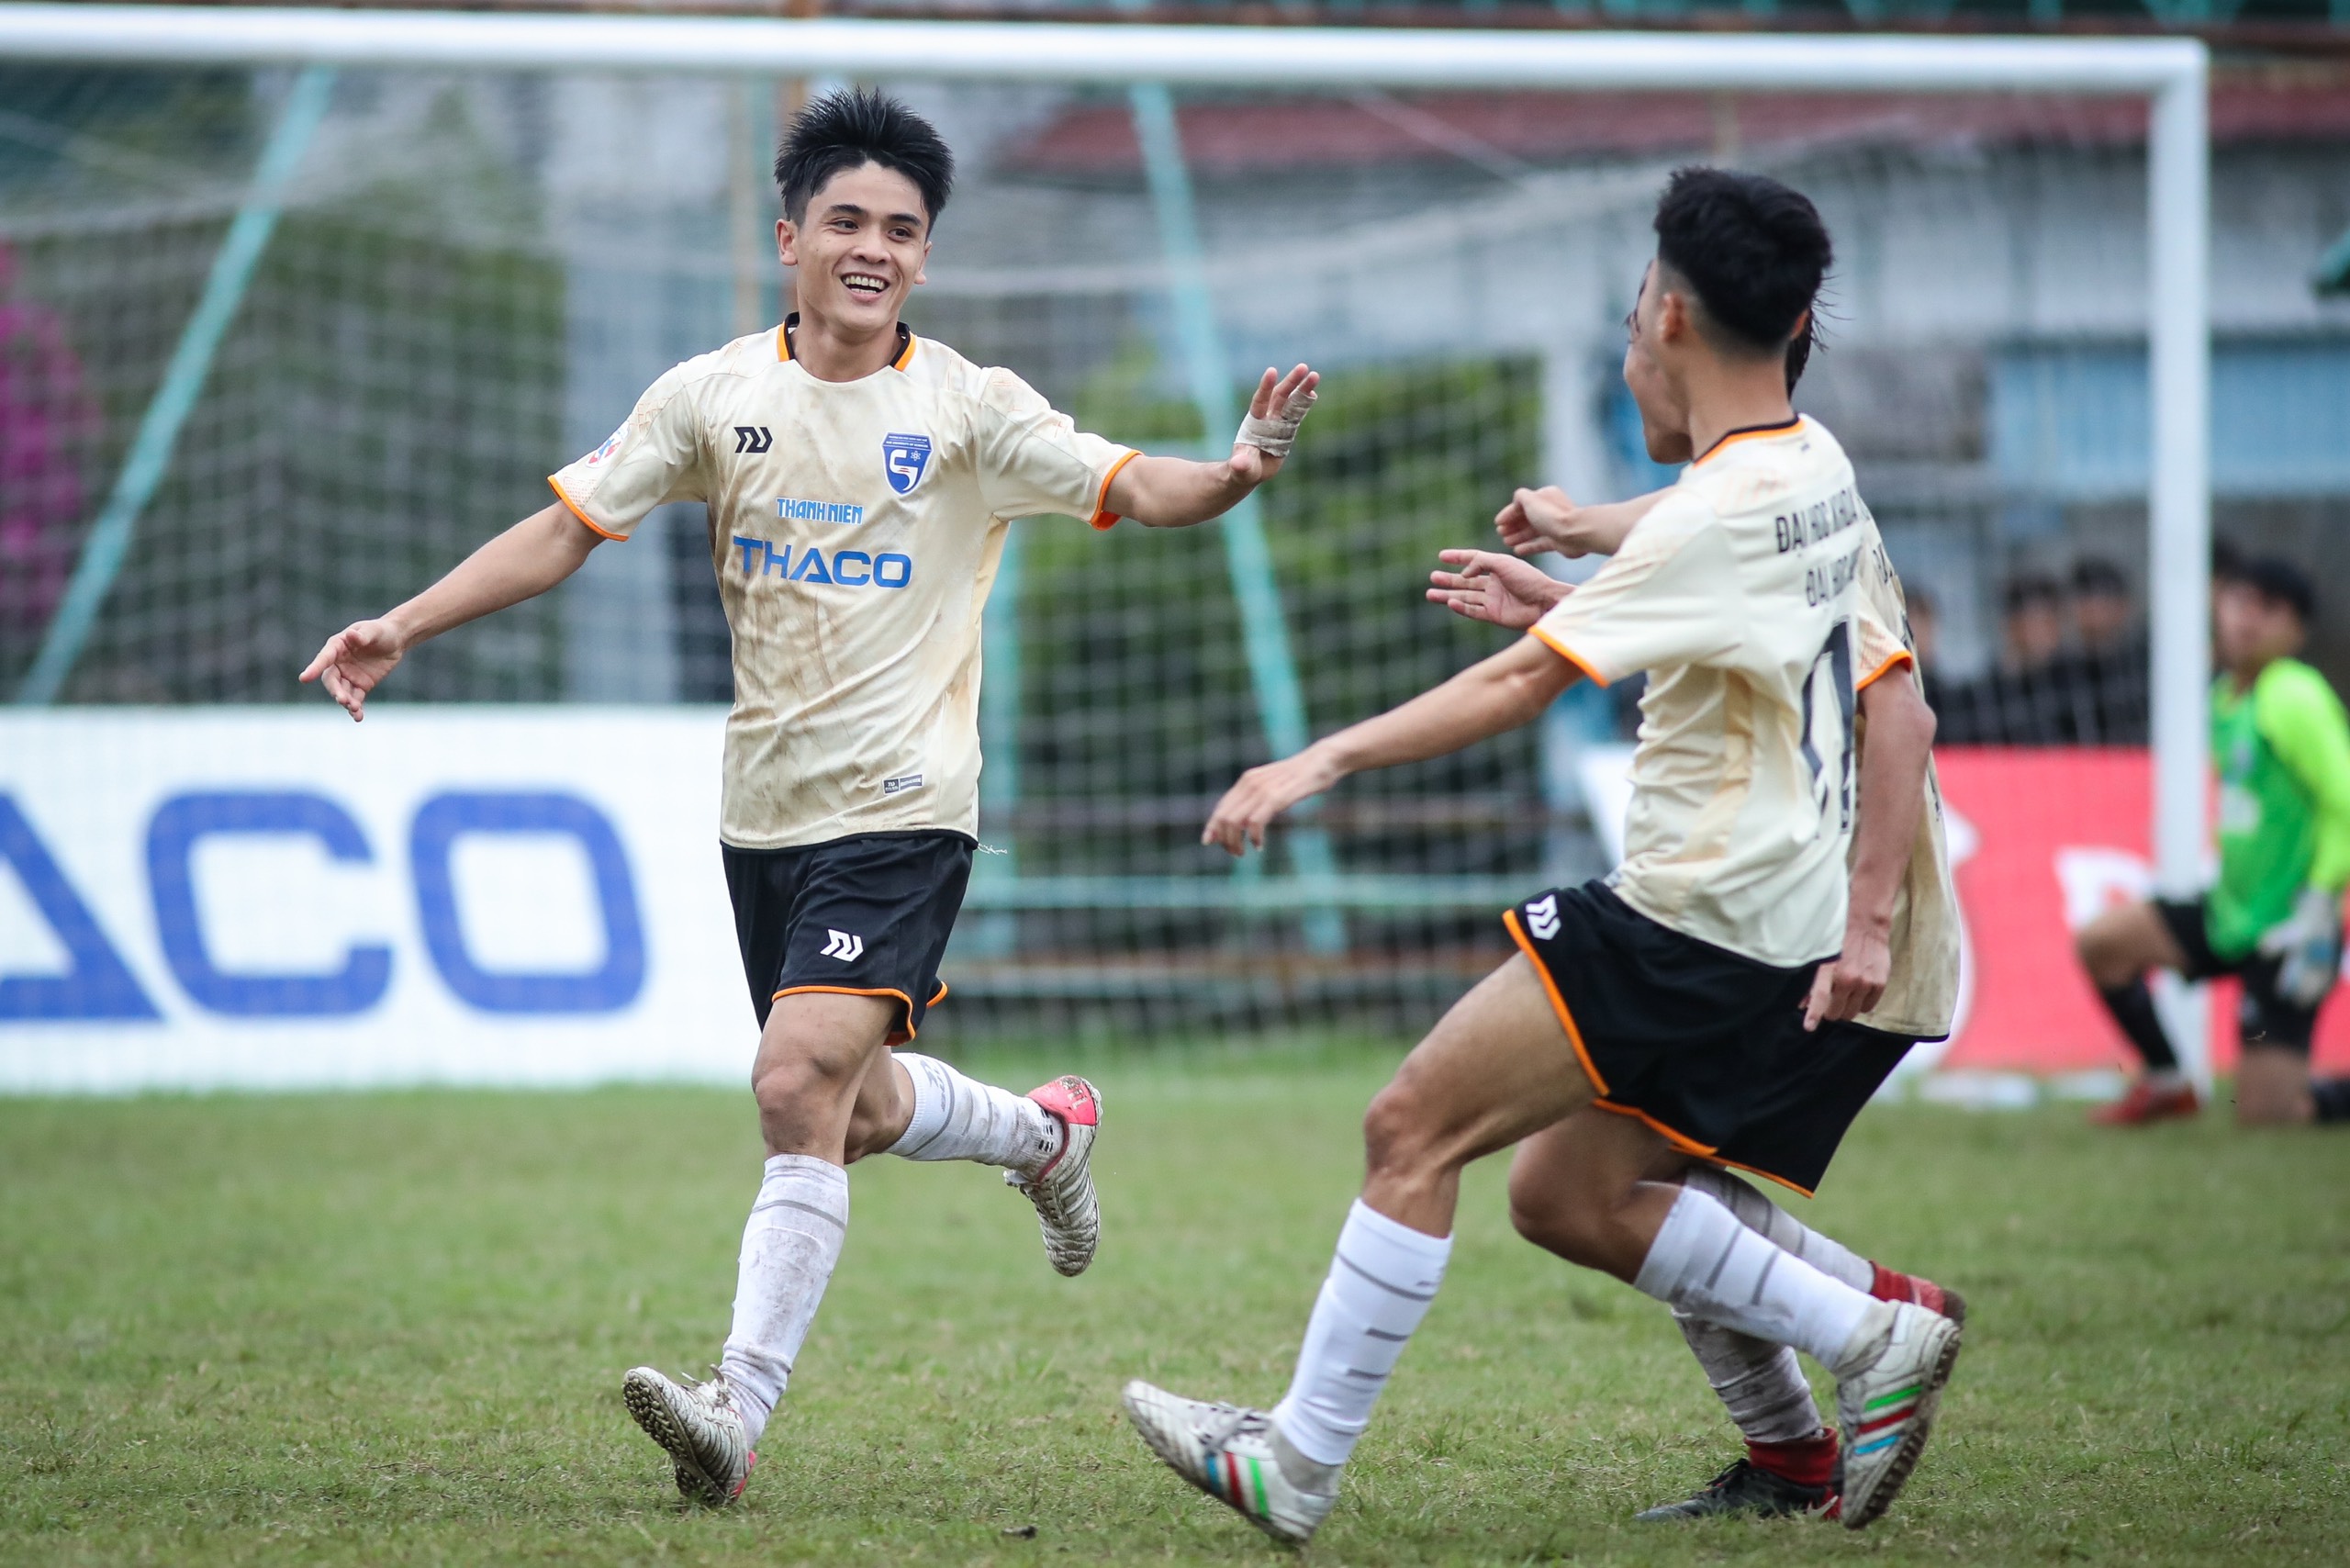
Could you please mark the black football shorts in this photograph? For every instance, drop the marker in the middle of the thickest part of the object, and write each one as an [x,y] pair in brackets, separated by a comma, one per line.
[2262,1017]
[1705,1045]
[866,915]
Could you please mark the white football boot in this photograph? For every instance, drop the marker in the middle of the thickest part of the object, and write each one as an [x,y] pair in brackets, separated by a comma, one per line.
[699,1427]
[1067,1210]
[1227,1452]
[1887,1404]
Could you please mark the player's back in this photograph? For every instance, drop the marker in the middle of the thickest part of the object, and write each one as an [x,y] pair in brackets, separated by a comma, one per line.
[1736,594]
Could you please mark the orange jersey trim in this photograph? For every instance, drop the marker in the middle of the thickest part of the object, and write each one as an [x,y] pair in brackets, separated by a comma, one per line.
[1904,658]
[1558,1002]
[573,506]
[1102,516]
[1567,654]
[783,344]
[1759,433]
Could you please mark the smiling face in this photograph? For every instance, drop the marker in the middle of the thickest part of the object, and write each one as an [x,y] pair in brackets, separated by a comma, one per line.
[860,247]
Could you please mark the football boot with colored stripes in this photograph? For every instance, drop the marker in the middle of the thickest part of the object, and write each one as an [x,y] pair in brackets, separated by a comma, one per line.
[698,1424]
[1887,1404]
[1066,1209]
[1227,1452]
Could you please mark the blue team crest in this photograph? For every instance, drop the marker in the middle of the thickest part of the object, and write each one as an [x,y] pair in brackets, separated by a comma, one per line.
[904,458]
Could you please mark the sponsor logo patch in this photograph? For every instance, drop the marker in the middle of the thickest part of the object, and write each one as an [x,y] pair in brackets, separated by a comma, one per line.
[792,509]
[901,783]
[848,947]
[752,437]
[903,459]
[1542,918]
[611,443]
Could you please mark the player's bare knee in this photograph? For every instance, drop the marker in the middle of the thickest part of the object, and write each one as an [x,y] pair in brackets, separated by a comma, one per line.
[1398,1136]
[1552,1220]
[794,1079]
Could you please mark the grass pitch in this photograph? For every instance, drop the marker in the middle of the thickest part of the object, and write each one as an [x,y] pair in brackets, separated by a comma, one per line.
[391,1329]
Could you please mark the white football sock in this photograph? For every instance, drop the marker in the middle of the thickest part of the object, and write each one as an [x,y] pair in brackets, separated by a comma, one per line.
[1761,1383]
[961,1118]
[789,1247]
[1781,1228]
[1708,1264]
[1380,1283]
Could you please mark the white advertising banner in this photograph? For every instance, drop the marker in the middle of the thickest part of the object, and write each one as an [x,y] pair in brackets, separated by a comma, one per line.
[279,897]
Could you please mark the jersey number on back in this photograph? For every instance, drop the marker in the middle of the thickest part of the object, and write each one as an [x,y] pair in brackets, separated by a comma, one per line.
[1827,700]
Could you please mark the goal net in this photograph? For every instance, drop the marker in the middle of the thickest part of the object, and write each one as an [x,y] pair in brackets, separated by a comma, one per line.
[466,276]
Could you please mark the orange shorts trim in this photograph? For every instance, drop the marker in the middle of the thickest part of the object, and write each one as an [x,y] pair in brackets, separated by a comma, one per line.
[905,1032]
[1691,1147]
[1567,654]
[573,506]
[1558,1002]
[1904,658]
[1104,517]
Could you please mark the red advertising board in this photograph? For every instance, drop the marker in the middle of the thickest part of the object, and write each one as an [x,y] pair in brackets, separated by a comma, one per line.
[2043,837]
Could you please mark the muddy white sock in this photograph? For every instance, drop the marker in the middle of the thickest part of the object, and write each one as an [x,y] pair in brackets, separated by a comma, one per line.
[1759,1384]
[961,1118]
[789,1247]
[1705,1264]
[1781,1228]
[1380,1283]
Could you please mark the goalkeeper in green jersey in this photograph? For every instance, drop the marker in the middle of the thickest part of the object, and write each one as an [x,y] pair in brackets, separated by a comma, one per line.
[2274,918]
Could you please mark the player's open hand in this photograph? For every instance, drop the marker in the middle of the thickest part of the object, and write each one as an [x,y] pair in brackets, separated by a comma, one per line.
[1851,983]
[1263,793]
[1276,409]
[354,660]
[1500,589]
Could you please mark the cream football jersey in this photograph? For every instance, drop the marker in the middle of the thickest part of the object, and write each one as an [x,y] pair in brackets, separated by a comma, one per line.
[1737,594]
[855,528]
[1922,994]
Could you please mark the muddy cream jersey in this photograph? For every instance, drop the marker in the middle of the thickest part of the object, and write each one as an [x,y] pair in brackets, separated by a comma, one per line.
[1737,594]
[855,528]
[1921,993]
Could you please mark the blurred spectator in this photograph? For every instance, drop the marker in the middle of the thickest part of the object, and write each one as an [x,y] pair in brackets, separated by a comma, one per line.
[1925,639]
[2102,682]
[2022,702]
[46,419]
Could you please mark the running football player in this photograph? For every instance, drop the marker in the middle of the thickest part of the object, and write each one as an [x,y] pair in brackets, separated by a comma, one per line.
[2273,917]
[859,481]
[1648,1007]
[1894,983]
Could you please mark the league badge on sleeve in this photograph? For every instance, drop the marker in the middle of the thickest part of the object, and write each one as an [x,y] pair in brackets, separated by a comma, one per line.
[904,458]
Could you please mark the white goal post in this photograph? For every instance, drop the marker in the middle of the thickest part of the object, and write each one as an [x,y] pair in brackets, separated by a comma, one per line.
[2170,73]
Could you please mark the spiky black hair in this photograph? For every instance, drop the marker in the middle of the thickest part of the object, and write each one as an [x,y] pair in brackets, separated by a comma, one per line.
[855,127]
[1754,250]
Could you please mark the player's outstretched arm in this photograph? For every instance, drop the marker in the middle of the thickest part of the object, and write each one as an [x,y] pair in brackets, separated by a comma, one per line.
[1175,492]
[1500,589]
[521,563]
[1892,798]
[1500,693]
[1537,521]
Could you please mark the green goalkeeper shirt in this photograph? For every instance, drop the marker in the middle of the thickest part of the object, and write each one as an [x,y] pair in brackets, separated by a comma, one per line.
[2283,754]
